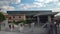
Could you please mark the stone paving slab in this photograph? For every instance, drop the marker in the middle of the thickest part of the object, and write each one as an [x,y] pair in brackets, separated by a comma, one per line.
[3,32]
[35,31]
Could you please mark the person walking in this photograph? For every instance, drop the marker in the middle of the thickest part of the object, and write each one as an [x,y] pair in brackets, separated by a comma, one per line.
[13,26]
[55,27]
[57,23]
[32,26]
[10,26]
[51,28]
[21,27]
[48,27]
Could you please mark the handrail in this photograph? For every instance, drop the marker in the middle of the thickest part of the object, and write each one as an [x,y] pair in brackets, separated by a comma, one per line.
[44,25]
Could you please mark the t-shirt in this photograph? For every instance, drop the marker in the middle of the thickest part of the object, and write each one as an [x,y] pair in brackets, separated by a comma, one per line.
[54,22]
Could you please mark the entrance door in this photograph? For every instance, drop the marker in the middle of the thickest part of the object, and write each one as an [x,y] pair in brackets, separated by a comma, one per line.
[43,19]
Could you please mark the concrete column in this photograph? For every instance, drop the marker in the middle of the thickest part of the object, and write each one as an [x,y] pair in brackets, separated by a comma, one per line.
[6,24]
[49,19]
[24,17]
[38,20]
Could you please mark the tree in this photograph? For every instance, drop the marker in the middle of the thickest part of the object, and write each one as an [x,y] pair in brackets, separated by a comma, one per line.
[2,18]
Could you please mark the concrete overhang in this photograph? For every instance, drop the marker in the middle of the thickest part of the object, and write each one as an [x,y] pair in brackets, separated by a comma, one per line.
[46,13]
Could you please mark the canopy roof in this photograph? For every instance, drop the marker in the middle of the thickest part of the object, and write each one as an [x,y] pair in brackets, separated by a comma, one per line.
[47,13]
[28,13]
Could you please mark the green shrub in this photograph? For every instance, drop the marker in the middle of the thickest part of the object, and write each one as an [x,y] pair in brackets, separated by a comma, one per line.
[22,21]
[2,17]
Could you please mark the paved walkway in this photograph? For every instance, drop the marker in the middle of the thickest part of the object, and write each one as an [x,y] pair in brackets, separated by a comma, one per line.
[35,31]
[27,31]
[58,30]
[3,32]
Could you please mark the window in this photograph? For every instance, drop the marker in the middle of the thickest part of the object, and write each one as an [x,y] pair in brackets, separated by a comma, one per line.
[19,16]
[13,16]
[9,17]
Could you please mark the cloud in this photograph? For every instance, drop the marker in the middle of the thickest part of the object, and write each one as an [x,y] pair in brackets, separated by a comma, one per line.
[39,0]
[9,8]
[16,1]
[33,5]
[4,4]
[46,1]
[56,10]
[39,4]
[58,3]
[27,6]
[5,0]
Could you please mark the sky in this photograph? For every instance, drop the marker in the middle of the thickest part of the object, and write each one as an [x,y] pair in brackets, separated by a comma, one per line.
[18,5]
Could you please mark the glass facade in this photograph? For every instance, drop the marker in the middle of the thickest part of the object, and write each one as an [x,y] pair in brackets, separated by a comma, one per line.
[26,12]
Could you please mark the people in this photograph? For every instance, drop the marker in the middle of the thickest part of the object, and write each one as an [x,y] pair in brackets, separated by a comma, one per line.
[32,26]
[55,27]
[57,23]
[13,26]
[51,26]
[10,26]
[21,27]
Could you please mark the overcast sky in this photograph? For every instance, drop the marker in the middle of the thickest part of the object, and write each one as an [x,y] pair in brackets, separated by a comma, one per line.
[18,5]
[29,4]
